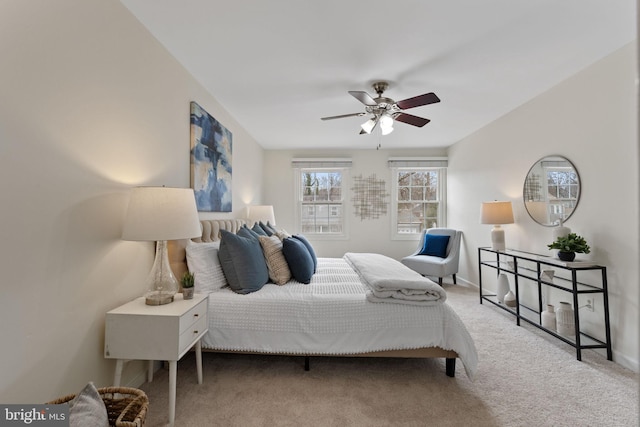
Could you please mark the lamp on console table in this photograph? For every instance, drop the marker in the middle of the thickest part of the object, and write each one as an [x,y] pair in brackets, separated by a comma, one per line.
[160,214]
[496,213]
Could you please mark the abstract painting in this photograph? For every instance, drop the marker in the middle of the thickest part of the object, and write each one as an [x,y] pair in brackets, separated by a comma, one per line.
[211,171]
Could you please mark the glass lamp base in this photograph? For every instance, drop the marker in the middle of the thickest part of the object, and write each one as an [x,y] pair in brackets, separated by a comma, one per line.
[161,284]
[158,298]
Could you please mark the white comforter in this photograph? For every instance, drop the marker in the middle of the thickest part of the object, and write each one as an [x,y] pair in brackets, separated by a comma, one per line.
[330,316]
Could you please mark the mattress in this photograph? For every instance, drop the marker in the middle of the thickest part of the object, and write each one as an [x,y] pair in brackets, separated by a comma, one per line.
[330,316]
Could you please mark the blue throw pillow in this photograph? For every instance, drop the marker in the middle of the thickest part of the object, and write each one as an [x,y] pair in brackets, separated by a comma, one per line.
[435,245]
[242,262]
[245,231]
[310,249]
[299,259]
[256,227]
[266,229]
[271,227]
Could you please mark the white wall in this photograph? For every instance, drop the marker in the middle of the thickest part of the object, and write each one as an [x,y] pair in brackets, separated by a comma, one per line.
[591,119]
[368,235]
[90,106]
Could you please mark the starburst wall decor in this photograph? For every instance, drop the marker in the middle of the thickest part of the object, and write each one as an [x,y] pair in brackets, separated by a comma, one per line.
[369,197]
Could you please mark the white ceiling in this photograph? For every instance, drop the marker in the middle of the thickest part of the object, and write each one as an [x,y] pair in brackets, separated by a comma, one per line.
[278,66]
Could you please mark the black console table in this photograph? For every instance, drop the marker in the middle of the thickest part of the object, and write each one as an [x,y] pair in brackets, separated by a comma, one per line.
[525,269]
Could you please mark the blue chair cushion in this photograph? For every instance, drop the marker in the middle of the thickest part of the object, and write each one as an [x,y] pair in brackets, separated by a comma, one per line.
[435,245]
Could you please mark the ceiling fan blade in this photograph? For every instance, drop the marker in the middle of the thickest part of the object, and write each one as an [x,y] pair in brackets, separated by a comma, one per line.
[363,97]
[417,101]
[411,119]
[342,116]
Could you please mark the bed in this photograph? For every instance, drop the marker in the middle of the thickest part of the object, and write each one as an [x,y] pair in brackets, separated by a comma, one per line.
[330,316]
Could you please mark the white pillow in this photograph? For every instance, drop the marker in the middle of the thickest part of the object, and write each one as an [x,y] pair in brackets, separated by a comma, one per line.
[203,262]
[88,409]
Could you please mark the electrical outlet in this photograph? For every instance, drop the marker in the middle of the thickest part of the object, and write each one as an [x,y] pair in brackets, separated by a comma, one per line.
[590,305]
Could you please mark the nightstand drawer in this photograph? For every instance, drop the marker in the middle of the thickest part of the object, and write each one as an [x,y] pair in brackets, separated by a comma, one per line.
[194,315]
[191,334]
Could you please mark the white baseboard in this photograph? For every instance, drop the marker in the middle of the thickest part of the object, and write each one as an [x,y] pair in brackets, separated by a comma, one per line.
[141,377]
[626,361]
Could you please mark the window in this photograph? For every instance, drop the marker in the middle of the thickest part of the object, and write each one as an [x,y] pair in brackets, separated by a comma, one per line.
[321,206]
[562,191]
[418,196]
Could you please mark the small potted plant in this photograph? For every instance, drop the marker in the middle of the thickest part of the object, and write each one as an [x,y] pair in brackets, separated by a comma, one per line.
[188,281]
[569,245]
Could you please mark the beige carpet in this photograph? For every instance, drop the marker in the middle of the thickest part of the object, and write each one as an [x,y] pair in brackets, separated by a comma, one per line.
[525,378]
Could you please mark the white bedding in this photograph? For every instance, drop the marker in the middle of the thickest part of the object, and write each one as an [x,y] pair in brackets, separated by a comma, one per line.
[330,316]
[391,281]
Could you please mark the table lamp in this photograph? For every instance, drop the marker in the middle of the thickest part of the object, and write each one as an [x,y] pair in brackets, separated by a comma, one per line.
[262,213]
[496,213]
[160,214]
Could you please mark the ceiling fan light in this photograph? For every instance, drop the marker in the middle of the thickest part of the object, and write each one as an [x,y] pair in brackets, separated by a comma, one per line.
[386,124]
[386,121]
[368,125]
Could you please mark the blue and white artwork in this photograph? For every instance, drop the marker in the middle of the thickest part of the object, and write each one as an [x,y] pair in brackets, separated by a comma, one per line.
[211,170]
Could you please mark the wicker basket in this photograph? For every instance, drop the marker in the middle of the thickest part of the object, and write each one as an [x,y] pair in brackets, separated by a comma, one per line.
[126,407]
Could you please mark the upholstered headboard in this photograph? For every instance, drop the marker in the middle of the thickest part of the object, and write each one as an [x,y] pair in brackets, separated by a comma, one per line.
[210,233]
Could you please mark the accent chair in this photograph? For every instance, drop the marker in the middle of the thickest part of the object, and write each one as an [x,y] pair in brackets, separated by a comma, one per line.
[436,256]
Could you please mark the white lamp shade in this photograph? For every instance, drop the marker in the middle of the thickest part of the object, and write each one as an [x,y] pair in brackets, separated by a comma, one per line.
[161,213]
[496,213]
[262,213]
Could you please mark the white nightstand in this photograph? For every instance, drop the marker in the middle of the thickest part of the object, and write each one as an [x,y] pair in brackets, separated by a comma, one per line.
[136,331]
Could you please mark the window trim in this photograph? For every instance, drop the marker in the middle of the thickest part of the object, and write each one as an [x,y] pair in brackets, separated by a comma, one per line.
[421,164]
[323,165]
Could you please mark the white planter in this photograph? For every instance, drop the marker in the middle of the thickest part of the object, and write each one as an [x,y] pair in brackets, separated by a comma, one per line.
[503,287]
[549,318]
[510,299]
[565,322]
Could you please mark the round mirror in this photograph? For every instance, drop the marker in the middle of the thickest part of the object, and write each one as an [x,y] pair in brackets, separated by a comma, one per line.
[551,190]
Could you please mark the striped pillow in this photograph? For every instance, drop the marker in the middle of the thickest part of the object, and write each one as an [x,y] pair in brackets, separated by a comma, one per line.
[279,272]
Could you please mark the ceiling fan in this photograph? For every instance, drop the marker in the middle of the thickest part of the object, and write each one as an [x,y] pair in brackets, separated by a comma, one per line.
[386,110]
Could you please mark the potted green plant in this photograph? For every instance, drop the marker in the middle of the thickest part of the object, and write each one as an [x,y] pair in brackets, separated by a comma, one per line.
[188,282]
[569,245]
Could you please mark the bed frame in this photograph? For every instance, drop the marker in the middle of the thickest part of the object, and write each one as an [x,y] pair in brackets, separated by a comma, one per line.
[211,233]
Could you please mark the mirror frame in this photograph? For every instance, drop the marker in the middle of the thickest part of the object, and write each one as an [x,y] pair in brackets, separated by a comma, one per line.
[538,208]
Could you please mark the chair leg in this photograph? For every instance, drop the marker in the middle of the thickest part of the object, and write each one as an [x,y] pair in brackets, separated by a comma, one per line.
[440,281]
[454,280]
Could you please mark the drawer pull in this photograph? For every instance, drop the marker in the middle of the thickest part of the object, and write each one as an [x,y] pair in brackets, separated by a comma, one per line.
[195,332]
[196,315]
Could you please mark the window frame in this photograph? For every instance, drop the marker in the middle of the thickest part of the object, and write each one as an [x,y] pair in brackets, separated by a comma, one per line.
[344,202]
[559,206]
[441,199]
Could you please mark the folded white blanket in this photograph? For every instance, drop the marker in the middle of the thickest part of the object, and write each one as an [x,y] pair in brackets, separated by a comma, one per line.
[391,281]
